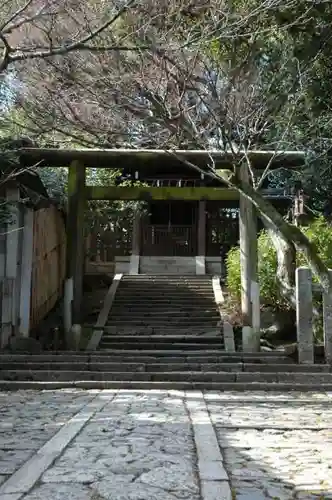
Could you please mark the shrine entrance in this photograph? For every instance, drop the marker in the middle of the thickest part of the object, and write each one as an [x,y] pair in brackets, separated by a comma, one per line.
[170,229]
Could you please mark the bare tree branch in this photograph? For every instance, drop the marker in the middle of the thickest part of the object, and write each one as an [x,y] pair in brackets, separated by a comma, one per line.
[13,55]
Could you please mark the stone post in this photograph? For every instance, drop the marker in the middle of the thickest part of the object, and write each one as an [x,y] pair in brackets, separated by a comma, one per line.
[251,333]
[327,321]
[303,281]
[201,237]
[136,240]
[229,337]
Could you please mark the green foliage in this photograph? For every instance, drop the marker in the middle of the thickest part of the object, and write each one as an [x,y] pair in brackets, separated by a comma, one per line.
[55,181]
[319,232]
[267,267]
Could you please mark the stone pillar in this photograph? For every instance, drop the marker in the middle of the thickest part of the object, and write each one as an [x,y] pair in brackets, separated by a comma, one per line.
[248,250]
[256,316]
[248,263]
[327,319]
[303,280]
[201,238]
[229,340]
[136,243]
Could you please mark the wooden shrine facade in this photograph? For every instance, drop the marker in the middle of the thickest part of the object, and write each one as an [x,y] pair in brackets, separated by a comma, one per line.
[190,220]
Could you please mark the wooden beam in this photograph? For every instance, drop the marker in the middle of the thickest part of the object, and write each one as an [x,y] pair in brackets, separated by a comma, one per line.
[75,234]
[148,193]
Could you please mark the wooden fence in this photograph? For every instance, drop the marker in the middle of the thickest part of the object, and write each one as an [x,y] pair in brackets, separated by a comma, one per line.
[32,266]
[305,317]
[107,239]
[48,262]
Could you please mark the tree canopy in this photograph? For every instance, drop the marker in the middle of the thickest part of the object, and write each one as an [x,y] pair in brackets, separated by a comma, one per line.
[169,74]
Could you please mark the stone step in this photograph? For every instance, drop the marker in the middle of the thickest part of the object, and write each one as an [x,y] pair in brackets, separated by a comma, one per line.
[208,355]
[149,357]
[146,324]
[153,317]
[167,284]
[153,313]
[184,290]
[166,288]
[141,278]
[180,386]
[106,343]
[86,354]
[154,310]
[187,339]
[165,308]
[182,321]
[276,378]
[129,277]
[167,294]
[149,327]
[165,299]
[162,330]
[176,287]
[171,282]
[107,366]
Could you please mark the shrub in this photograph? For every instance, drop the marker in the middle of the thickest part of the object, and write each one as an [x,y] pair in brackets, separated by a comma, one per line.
[318,231]
[267,267]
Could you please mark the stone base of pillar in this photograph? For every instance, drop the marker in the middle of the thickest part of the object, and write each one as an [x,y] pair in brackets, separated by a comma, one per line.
[200,264]
[134,264]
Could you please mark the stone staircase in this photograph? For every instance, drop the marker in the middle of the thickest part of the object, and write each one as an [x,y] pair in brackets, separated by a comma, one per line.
[162,334]
[182,369]
[163,305]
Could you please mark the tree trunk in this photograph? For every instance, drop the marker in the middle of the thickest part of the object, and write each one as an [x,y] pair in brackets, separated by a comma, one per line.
[289,233]
[286,258]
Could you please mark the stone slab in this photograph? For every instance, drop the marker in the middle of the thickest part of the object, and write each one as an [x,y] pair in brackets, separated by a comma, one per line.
[216,490]
[11,496]
[27,475]
[212,474]
[275,445]
[206,443]
[212,470]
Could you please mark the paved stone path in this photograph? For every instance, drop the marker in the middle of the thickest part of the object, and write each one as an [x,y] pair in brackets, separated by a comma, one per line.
[275,446]
[165,445]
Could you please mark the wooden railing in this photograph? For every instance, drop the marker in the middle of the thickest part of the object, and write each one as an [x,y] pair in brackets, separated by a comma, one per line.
[171,182]
[158,240]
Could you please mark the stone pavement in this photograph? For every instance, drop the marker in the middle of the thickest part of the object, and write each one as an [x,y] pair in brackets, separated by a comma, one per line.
[149,445]
[275,446]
